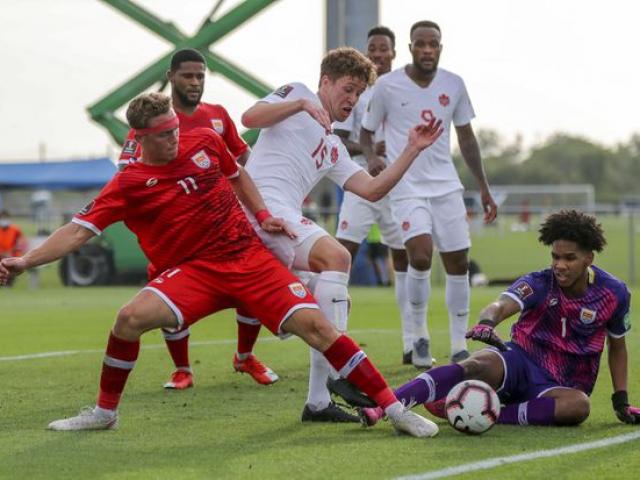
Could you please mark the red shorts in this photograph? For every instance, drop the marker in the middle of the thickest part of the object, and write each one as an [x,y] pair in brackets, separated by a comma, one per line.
[257,283]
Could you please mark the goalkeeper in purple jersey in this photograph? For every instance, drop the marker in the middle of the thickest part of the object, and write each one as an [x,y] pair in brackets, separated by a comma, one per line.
[545,374]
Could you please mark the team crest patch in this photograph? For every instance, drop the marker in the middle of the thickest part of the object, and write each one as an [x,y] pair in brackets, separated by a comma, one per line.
[298,289]
[444,100]
[283,91]
[524,290]
[201,159]
[130,147]
[87,208]
[587,316]
[334,154]
[343,225]
[217,125]
[406,225]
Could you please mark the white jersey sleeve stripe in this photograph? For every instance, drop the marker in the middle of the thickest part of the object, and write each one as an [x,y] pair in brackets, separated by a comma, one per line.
[87,225]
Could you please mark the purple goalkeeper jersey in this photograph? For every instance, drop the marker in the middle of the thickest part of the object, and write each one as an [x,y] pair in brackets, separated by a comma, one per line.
[564,335]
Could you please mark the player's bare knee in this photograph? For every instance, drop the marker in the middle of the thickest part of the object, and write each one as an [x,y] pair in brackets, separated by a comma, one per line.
[572,410]
[131,319]
[472,367]
[420,262]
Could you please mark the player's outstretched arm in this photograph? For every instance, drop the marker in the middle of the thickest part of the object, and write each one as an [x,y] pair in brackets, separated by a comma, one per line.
[250,197]
[61,242]
[617,356]
[264,114]
[471,154]
[490,317]
[375,188]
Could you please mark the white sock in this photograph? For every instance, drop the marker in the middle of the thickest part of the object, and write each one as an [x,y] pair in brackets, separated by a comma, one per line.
[405,310]
[394,410]
[457,294]
[331,294]
[418,290]
[318,397]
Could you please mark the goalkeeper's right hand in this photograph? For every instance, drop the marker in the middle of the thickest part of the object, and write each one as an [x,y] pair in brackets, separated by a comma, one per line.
[485,332]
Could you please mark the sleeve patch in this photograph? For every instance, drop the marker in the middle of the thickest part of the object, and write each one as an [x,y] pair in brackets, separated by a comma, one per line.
[283,91]
[129,147]
[87,208]
[523,290]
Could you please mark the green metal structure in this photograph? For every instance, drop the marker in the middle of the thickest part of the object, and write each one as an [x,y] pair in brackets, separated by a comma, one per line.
[211,31]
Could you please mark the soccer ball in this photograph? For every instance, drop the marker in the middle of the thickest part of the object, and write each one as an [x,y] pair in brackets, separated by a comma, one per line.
[472,407]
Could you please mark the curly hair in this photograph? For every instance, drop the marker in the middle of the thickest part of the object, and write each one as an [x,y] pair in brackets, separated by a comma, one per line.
[573,226]
[347,61]
[144,107]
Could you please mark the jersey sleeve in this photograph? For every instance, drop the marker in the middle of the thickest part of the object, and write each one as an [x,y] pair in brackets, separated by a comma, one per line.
[528,290]
[286,93]
[236,145]
[107,208]
[344,168]
[375,112]
[130,151]
[620,322]
[228,164]
[463,113]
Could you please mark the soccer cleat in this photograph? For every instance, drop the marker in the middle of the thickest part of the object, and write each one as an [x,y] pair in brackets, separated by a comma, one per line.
[413,424]
[333,413]
[254,367]
[436,408]
[88,419]
[406,357]
[460,356]
[421,354]
[180,380]
[370,416]
[349,393]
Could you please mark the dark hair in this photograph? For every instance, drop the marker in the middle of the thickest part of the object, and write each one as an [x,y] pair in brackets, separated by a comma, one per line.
[575,227]
[381,30]
[186,55]
[347,61]
[425,24]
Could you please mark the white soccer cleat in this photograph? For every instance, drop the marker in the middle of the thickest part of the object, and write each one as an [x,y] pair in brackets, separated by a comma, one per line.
[413,424]
[87,419]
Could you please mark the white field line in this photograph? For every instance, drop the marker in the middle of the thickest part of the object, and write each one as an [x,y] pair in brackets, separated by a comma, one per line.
[66,353]
[499,461]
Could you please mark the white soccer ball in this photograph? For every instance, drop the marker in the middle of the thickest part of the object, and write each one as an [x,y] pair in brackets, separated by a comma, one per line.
[472,407]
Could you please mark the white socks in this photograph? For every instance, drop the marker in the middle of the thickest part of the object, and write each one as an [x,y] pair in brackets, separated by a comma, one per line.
[332,297]
[418,290]
[405,310]
[457,296]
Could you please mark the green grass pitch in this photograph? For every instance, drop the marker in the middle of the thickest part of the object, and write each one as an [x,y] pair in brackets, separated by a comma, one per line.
[230,427]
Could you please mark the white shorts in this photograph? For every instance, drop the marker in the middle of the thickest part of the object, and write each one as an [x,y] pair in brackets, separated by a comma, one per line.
[293,253]
[358,215]
[444,218]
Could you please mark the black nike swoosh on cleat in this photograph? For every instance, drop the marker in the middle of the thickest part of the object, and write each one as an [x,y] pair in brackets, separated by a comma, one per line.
[335,300]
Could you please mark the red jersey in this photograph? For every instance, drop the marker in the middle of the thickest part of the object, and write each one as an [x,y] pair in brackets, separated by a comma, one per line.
[184,210]
[206,115]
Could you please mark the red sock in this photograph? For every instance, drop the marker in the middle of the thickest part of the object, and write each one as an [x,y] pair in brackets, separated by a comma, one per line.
[247,334]
[352,363]
[178,346]
[119,360]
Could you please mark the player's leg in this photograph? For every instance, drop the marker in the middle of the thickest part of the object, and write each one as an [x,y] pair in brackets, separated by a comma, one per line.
[391,234]
[146,311]
[352,363]
[332,261]
[431,388]
[414,217]
[451,237]
[244,361]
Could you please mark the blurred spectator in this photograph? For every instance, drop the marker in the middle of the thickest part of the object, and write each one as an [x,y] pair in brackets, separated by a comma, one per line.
[12,242]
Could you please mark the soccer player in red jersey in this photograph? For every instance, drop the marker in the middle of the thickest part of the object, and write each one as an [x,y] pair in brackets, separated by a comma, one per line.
[182,202]
[186,76]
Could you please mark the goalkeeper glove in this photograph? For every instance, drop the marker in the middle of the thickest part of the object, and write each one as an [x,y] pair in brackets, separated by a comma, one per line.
[484,332]
[625,412]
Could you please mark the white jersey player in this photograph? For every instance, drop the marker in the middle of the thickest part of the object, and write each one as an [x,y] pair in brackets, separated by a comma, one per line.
[358,215]
[428,201]
[294,151]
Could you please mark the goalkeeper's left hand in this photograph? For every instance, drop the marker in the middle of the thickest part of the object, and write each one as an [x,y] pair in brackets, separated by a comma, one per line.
[625,412]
